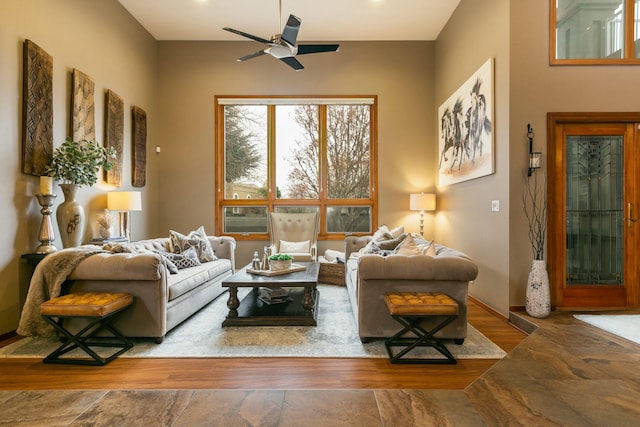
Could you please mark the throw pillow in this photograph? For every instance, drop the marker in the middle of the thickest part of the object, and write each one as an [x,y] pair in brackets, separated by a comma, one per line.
[408,247]
[294,247]
[382,233]
[196,239]
[167,261]
[427,247]
[391,244]
[431,250]
[397,231]
[186,259]
[375,249]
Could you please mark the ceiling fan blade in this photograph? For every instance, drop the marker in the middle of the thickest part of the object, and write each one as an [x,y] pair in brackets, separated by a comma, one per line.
[247,35]
[291,28]
[317,48]
[292,62]
[251,55]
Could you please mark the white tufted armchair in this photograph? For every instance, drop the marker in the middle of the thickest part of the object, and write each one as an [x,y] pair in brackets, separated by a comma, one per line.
[295,234]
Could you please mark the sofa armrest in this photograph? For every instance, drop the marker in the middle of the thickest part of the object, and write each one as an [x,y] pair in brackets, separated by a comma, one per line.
[224,247]
[416,267]
[354,244]
[120,266]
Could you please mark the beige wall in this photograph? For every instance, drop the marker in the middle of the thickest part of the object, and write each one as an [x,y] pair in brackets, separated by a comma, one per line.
[192,73]
[476,32]
[101,39]
[536,89]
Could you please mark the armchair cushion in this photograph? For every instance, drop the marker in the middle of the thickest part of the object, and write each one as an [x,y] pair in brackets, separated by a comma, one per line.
[287,247]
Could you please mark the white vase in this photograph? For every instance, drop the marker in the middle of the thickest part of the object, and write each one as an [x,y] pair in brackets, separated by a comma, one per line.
[70,217]
[538,298]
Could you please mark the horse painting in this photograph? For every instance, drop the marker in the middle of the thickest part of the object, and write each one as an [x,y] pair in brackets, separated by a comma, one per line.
[465,131]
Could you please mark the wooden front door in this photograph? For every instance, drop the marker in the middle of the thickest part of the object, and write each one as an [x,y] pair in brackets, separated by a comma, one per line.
[594,169]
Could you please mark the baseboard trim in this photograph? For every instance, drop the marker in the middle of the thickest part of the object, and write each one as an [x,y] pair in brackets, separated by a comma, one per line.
[488,308]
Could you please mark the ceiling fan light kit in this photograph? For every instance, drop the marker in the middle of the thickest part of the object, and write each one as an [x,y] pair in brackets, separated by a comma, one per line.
[283,46]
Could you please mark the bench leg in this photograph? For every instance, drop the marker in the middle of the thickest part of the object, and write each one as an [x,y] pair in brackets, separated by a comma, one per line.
[423,339]
[87,338]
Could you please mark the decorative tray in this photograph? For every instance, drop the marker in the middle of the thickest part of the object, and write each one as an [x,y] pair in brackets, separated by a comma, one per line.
[294,268]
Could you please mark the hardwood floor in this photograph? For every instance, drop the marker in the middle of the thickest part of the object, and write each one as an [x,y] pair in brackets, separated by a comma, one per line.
[262,373]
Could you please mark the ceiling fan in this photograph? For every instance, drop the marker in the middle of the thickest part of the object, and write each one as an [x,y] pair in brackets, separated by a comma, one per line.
[283,46]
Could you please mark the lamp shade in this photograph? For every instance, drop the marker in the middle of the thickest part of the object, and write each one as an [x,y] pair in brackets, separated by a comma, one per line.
[124,201]
[422,202]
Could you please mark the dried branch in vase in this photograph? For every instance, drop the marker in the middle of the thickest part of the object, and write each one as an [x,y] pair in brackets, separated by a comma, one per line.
[534,201]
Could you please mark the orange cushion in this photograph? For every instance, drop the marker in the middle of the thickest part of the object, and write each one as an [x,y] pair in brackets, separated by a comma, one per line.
[86,304]
[420,303]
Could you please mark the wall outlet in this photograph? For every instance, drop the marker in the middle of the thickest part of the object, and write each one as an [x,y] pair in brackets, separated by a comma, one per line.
[495,206]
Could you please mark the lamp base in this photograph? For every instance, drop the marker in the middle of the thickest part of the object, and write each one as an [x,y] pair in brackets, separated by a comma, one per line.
[125,230]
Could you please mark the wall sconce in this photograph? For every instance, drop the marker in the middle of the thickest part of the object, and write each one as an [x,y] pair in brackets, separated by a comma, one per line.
[535,157]
[422,202]
[123,202]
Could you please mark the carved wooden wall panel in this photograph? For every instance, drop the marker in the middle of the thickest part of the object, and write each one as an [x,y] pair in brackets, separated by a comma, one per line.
[139,147]
[83,117]
[37,109]
[114,135]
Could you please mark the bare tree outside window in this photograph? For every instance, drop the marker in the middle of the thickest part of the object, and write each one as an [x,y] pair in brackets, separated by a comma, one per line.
[321,159]
[348,158]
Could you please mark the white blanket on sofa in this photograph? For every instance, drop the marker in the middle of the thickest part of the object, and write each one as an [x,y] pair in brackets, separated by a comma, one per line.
[46,283]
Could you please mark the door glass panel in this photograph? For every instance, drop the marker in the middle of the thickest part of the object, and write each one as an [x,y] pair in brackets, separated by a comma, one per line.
[589,30]
[595,210]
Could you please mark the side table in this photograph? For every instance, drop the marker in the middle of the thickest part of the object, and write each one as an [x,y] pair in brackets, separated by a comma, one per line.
[32,260]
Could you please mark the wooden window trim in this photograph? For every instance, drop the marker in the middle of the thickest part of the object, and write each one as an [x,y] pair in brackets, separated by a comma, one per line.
[271,202]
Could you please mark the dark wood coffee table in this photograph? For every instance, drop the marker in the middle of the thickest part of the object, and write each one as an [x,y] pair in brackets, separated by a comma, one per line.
[301,310]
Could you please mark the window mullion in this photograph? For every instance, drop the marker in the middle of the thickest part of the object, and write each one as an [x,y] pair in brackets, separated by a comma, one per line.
[271,157]
[629,29]
[323,167]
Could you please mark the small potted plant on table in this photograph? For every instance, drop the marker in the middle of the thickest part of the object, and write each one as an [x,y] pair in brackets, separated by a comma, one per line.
[279,262]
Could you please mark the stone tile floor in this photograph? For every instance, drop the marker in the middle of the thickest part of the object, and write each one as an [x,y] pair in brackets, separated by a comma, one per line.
[565,373]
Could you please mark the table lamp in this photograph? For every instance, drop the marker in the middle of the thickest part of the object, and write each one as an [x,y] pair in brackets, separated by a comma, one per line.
[124,202]
[422,202]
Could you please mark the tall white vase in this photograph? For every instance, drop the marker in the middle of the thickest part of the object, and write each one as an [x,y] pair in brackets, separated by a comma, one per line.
[538,297]
[70,217]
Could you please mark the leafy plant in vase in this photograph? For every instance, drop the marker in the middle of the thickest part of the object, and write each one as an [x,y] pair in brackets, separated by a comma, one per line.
[74,164]
[278,262]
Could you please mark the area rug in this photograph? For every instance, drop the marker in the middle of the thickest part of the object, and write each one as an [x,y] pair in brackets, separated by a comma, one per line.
[624,325]
[335,336]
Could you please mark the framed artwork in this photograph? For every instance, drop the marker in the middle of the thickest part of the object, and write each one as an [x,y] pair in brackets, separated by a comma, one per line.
[83,116]
[37,109]
[465,133]
[139,147]
[114,135]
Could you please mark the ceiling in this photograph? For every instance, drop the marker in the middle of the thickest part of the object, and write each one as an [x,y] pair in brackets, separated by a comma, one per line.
[322,20]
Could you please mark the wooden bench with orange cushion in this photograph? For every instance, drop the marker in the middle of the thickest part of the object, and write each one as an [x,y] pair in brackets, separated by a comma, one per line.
[409,309]
[99,308]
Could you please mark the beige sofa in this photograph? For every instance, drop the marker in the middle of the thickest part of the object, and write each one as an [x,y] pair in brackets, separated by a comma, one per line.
[369,276]
[161,300]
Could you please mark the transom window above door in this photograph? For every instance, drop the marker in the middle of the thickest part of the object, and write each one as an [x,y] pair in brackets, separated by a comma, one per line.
[594,32]
[296,154]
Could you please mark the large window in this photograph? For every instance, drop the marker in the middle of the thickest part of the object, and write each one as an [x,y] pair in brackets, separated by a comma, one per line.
[594,32]
[293,154]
